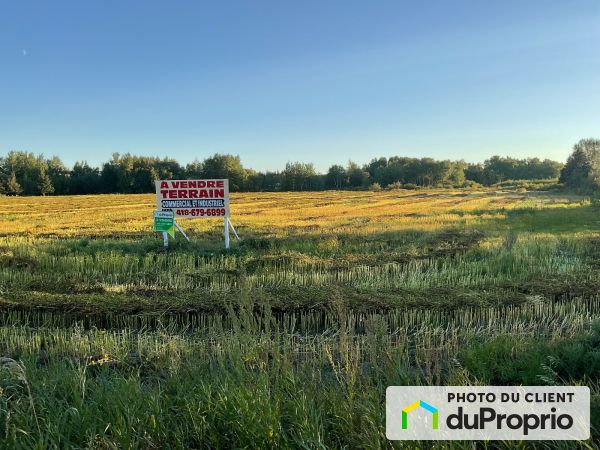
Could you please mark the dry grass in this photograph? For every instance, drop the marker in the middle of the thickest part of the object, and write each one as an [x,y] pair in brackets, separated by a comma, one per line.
[274,214]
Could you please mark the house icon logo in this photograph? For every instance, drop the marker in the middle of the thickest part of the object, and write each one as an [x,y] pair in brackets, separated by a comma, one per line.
[423,405]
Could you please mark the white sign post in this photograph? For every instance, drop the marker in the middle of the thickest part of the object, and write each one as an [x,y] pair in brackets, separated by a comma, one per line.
[190,199]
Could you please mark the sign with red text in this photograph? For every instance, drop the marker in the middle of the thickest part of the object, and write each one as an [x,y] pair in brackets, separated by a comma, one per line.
[193,198]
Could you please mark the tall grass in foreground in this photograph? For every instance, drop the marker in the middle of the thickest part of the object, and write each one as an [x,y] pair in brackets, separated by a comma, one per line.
[257,381]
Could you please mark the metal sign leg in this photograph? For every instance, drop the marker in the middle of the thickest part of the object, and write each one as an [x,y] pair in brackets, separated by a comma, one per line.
[233,229]
[226,223]
[181,231]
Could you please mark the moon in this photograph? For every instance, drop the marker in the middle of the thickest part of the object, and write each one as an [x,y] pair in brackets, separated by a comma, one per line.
[24,52]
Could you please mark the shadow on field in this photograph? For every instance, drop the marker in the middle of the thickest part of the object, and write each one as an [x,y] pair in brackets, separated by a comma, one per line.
[572,219]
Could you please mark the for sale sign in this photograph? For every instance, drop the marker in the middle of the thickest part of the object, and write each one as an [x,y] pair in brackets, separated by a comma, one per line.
[164,221]
[193,198]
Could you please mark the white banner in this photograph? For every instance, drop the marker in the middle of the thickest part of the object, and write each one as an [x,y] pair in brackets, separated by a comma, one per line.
[193,198]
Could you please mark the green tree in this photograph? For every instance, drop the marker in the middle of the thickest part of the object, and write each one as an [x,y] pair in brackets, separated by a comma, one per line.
[299,176]
[113,176]
[474,172]
[168,169]
[12,186]
[226,166]
[583,165]
[336,177]
[267,181]
[59,175]
[357,177]
[497,169]
[45,183]
[375,168]
[143,179]
[455,173]
[27,168]
[194,169]
[549,169]
[85,179]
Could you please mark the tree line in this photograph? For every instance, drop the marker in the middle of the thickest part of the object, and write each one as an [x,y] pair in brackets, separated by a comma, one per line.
[23,173]
[582,170]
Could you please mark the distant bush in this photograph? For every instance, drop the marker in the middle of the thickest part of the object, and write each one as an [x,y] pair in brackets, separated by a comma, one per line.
[410,186]
[393,186]
[375,187]
[470,184]
[530,185]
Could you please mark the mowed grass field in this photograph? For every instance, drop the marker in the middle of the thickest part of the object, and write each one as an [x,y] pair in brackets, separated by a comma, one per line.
[289,339]
[298,251]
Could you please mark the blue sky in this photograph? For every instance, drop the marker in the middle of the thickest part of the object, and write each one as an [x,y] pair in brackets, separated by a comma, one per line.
[313,81]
